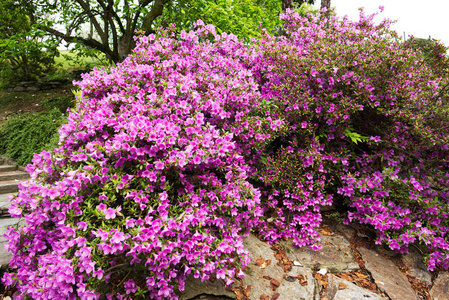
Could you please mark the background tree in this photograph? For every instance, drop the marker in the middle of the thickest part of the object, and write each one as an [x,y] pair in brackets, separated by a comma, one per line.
[24,52]
[326,4]
[241,17]
[112,24]
[431,49]
[292,3]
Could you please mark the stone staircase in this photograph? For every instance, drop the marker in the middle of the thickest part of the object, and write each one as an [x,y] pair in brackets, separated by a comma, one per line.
[10,177]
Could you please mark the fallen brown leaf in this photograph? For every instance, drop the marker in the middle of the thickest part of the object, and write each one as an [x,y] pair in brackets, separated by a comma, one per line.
[361,276]
[342,286]
[274,284]
[239,294]
[302,280]
[247,291]
[264,297]
[275,296]
[324,231]
[266,264]
[260,261]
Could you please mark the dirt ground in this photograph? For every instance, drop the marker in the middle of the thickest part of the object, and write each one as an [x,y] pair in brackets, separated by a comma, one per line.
[16,103]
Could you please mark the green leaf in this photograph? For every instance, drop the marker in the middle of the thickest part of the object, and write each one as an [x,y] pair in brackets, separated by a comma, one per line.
[355,137]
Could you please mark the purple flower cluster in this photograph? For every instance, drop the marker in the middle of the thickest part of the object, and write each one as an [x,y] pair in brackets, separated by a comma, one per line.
[173,156]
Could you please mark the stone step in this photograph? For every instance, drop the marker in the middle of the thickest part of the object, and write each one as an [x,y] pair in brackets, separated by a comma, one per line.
[9,186]
[7,168]
[5,256]
[13,175]
[4,205]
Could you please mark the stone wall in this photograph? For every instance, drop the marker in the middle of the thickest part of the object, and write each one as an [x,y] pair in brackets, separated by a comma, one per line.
[34,86]
[44,84]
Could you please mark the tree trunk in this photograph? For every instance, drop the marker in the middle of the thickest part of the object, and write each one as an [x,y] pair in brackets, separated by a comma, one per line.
[287,4]
[26,67]
[155,12]
[125,45]
[326,4]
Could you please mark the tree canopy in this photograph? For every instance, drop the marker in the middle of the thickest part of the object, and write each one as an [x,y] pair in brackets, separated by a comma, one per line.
[243,18]
[104,25]
[110,26]
[24,52]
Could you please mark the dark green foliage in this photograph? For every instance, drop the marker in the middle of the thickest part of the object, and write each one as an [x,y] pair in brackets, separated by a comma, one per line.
[60,103]
[432,51]
[25,53]
[241,18]
[21,137]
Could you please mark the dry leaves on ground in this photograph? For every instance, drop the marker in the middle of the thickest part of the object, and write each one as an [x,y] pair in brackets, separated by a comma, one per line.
[421,289]
[322,279]
[281,256]
[302,281]
[242,292]
[262,263]
[274,283]
[324,230]
[360,279]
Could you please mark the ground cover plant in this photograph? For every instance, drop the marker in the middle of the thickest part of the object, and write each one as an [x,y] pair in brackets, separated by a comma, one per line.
[22,136]
[196,139]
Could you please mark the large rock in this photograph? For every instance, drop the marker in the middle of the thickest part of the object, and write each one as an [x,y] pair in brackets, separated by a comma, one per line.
[263,277]
[19,89]
[33,88]
[414,261]
[388,277]
[440,289]
[269,278]
[5,256]
[194,288]
[335,255]
[340,289]
[347,231]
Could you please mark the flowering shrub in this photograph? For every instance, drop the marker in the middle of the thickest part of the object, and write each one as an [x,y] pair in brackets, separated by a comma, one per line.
[367,123]
[148,185]
[173,156]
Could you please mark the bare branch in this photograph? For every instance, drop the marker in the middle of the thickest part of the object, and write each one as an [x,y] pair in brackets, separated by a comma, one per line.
[87,42]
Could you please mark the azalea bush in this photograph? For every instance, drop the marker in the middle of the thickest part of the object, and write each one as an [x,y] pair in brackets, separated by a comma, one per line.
[172,157]
[367,123]
[148,185]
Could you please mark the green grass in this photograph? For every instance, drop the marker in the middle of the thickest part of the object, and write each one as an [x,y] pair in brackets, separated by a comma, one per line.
[69,61]
[10,99]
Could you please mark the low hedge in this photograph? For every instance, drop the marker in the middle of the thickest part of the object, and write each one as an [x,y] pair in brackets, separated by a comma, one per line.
[22,136]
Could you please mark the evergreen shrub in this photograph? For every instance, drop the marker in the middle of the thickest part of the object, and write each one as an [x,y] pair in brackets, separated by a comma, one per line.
[23,136]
